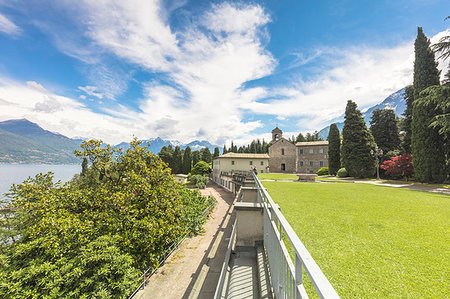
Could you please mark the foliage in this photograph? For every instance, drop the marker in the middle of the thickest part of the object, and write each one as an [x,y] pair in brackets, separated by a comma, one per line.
[398,167]
[196,157]
[187,161]
[334,149]
[92,237]
[177,161]
[255,147]
[356,144]
[206,155]
[352,229]
[195,208]
[383,126]
[323,171]
[201,168]
[300,138]
[425,67]
[84,167]
[224,151]
[166,154]
[406,123]
[443,46]
[342,173]
[428,146]
[198,180]
[216,152]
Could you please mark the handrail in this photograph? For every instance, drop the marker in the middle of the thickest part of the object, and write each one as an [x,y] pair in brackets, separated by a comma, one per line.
[303,258]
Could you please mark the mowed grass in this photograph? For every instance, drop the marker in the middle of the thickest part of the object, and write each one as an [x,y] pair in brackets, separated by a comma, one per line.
[277,176]
[372,241]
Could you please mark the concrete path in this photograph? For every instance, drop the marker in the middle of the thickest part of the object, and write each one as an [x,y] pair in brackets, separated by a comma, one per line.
[193,270]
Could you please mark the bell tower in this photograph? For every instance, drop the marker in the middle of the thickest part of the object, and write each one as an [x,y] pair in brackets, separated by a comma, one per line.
[276,134]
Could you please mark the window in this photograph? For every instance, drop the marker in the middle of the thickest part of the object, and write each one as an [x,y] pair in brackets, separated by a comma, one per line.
[320,150]
[300,163]
[262,163]
[321,163]
[300,151]
[282,151]
[311,151]
[262,171]
[251,162]
[311,163]
[232,162]
[283,167]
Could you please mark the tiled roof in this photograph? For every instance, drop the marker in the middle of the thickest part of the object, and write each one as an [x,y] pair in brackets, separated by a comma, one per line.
[311,143]
[248,156]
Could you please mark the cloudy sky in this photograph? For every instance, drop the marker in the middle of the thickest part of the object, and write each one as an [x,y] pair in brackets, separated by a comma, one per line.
[194,70]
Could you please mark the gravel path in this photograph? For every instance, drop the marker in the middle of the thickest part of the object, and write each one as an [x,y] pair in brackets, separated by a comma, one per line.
[199,256]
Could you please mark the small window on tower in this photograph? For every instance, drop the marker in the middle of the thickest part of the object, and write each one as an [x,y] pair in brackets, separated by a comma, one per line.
[282,151]
[251,162]
[232,162]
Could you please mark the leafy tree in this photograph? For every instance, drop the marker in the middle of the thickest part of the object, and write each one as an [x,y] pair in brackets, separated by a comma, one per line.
[84,167]
[196,157]
[201,168]
[356,144]
[399,166]
[166,155]
[428,146]
[206,155]
[187,160]
[334,150]
[425,67]
[383,126]
[177,160]
[406,123]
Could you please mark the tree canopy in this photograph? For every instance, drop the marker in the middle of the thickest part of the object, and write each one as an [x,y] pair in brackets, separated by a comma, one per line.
[334,150]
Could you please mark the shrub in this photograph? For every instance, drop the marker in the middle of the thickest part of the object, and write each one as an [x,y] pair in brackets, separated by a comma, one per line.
[198,180]
[342,173]
[398,167]
[323,171]
[195,205]
[201,168]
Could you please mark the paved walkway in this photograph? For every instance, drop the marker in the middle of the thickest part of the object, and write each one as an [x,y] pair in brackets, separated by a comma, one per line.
[193,270]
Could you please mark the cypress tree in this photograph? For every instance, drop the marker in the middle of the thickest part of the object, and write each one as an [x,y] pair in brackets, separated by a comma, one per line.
[428,146]
[224,151]
[187,160]
[334,150]
[206,155]
[356,144]
[425,67]
[177,161]
[383,126]
[195,157]
[300,138]
[406,123]
[216,152]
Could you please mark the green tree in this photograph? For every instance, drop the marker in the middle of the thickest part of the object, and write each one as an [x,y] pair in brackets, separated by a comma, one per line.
[334,150]
[406,122]
[216,152]
[187,160]
[84,166]
[201,168]
[443,46]
[425,67]
[206,155]
[383,125]
[196,157]
[177,160]
[428,145]
[356,144]
[300,138]
[166,154]
[224,151]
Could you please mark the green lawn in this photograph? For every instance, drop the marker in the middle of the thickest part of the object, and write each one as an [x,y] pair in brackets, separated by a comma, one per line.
[277,176]
[372,241]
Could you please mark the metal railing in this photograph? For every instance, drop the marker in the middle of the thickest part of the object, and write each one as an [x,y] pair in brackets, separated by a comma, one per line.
[286,275]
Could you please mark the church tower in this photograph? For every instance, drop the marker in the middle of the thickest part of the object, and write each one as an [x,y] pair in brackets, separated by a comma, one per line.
[276,134]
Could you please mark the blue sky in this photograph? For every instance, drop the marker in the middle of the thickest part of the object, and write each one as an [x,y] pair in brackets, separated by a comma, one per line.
[214,70]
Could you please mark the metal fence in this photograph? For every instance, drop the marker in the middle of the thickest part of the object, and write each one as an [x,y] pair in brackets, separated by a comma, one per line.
[286,275]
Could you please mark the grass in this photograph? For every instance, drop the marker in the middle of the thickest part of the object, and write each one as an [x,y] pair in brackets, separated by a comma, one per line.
[277,176]
[372,241]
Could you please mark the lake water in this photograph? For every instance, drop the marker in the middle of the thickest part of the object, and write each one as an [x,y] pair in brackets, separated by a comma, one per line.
[17,173]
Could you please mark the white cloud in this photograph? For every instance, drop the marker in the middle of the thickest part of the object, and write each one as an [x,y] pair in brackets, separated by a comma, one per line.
[92,91]
[8,27]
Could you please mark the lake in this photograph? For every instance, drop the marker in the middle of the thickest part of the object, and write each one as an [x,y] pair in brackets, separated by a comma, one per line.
[17,173]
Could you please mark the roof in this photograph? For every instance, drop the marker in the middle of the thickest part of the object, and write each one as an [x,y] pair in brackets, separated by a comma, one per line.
[245,156]
[311,143]
[181,175]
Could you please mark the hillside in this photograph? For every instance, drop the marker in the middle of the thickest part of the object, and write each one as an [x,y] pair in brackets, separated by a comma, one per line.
[22,141]
[395,101]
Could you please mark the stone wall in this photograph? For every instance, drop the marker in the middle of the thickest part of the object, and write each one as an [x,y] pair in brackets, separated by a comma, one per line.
[277,158]
[315,157]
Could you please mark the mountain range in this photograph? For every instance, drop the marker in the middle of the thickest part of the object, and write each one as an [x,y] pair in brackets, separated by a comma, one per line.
[22,141]
[395,101]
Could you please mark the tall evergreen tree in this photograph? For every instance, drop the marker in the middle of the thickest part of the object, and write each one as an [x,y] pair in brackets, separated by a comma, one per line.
[300,138]
[356,144]
[216,152]
[224,151]
[84,166]
[206,155]
[406,122]
[177,160]
[428,146]
[334,150]
[425,67]
[196,157]
[383,126]
[166,154]
[232,147]
[187,160]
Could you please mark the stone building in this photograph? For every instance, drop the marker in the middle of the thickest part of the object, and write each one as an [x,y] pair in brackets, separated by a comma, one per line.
[303,157]
[282,153]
